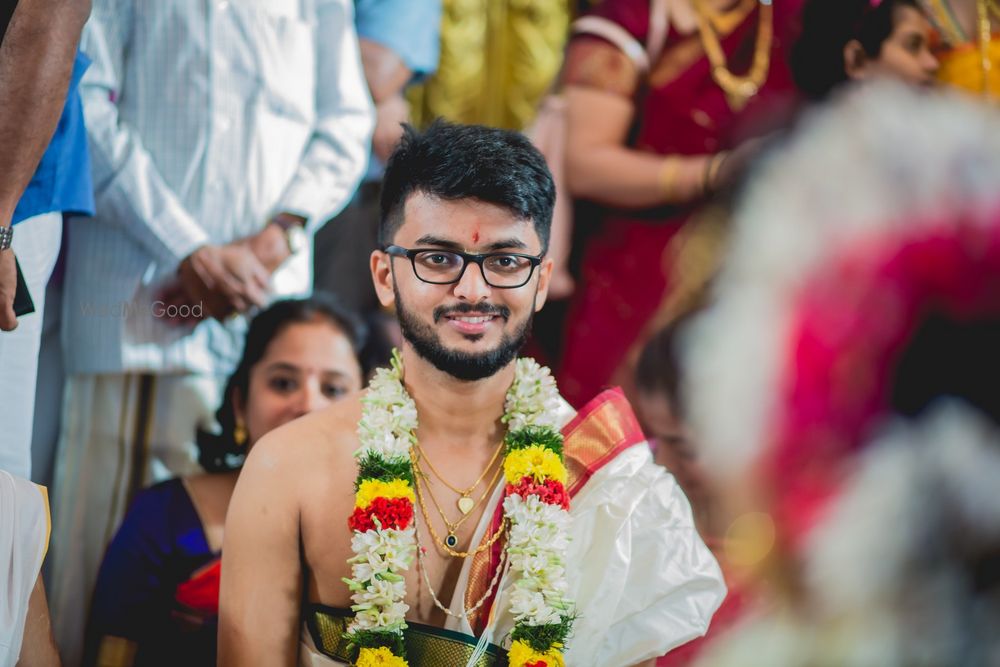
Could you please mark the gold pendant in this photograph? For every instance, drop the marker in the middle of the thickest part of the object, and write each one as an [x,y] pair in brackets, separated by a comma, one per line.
[451,541]
[465,504]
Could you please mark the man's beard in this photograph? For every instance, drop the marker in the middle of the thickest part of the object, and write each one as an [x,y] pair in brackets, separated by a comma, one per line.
[466,366]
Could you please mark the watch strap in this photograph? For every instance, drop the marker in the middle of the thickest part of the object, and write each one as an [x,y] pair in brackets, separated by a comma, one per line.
[6,237]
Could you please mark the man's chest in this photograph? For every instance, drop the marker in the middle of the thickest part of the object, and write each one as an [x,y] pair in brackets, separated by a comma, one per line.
[432,580]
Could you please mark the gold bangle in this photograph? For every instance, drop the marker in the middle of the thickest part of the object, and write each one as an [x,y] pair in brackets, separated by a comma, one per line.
[668,177]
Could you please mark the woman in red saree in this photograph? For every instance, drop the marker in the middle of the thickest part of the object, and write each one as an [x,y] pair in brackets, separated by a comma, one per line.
[650,144]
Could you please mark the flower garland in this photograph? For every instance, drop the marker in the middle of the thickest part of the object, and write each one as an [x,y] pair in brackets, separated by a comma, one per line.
[535,505]
[384,539]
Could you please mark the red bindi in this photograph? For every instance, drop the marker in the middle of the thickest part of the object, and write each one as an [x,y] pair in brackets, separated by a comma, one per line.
[475,236]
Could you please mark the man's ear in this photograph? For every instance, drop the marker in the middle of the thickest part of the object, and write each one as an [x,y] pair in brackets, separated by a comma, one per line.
[544,275]
[856,61]
[381,266]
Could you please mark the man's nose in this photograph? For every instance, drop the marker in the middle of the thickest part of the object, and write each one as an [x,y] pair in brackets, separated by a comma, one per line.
[472,286]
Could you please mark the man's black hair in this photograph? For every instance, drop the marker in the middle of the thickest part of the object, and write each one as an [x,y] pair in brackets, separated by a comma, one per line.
[452,162]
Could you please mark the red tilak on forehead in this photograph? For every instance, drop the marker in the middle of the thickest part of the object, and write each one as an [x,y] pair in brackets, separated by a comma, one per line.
[475,236]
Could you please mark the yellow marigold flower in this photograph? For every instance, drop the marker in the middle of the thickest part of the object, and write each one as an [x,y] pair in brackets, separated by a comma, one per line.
[522,655]
[537,461]
[371,489]
[379,657]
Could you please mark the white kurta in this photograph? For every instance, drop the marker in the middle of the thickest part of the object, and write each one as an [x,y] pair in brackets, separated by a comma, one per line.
[24,526]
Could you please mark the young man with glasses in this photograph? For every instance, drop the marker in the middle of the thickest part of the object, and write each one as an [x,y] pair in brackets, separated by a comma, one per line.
[465,223]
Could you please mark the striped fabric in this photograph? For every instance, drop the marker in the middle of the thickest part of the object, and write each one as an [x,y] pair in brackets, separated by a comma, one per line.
[205,117]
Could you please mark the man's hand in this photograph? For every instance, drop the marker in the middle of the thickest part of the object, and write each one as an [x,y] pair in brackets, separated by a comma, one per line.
[233,277]
[224,278]
[8,286]
[270,246]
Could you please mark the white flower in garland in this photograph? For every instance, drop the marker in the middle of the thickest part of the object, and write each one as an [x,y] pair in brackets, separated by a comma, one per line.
[537,549]
[533,399]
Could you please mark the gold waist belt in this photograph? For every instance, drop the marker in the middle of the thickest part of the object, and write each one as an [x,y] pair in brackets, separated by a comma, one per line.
[426,646]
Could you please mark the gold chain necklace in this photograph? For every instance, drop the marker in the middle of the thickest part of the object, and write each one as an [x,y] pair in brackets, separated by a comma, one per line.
[466,613]
[437,539]
[738,88]
[451,540]
[465,502]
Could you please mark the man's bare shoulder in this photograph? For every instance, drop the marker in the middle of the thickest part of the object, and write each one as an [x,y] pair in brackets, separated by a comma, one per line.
[320,442]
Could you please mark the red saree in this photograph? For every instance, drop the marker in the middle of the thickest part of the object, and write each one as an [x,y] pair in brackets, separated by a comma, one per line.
[681,111]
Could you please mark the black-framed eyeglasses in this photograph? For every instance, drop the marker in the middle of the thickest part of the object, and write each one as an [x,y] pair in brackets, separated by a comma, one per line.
[504,270]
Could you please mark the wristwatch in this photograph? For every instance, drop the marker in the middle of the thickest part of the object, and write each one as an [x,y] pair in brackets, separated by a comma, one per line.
[291,225]
[6,237]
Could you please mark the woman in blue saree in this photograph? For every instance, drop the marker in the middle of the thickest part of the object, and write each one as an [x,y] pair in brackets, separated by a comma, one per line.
[156,600]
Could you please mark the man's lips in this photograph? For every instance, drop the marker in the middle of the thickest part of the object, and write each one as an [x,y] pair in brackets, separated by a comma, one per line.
[471,323]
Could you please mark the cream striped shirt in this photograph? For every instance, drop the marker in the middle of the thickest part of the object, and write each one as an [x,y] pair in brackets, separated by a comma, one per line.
[205,117]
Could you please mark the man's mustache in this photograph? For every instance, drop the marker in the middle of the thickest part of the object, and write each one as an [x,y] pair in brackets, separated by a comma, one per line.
[466,308]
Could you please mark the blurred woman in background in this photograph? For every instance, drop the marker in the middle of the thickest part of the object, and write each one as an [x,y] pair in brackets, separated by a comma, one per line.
[851,40]
[662,103]
[157,594]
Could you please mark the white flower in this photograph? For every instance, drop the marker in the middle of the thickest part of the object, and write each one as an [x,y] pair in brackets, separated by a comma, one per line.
[531,607]
[380,593]
[533,399]
[364,619]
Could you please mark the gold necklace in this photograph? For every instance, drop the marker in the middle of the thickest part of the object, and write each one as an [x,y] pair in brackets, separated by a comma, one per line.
[738,88]
[437,538]
[466,613]
[451,540]
[464,502]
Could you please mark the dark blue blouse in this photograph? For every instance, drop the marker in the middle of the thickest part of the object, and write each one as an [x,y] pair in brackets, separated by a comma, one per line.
[159,545]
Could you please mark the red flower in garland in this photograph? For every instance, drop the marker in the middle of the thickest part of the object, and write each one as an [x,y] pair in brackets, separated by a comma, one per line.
[550,492]
[537,663]
[396,513]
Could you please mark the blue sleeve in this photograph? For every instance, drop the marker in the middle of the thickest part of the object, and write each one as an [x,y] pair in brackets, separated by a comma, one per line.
[62,181]
[410,28]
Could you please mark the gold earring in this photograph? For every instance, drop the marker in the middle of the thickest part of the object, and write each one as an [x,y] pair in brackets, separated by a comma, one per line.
[240,433]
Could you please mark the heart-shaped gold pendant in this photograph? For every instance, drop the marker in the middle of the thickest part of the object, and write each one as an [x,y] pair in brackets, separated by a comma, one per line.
[465,504]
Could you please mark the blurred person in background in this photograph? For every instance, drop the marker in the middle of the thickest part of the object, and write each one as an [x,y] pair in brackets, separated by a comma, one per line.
[649,139]
[498,59]
[399,42]
[157,597]
[661,411]
[660,387]
[45,173]
[863,440]
[853,40]
[968,44]
[222,134]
